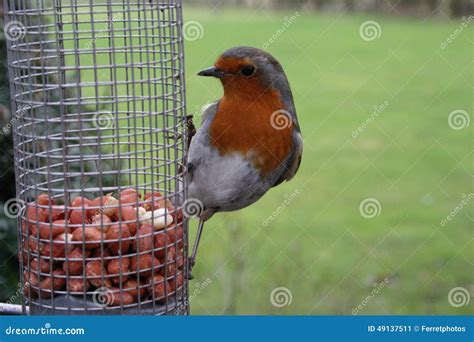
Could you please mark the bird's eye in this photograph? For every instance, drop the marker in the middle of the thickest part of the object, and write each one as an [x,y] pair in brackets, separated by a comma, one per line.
[248,70]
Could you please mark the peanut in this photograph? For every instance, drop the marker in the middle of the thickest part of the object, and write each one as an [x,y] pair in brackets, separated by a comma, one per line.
[74,266]
[158,287]
[95,272]
[143,264]
[77,285]
[134,288]
[144,239]
[118,298]
[90,235]
[116,232]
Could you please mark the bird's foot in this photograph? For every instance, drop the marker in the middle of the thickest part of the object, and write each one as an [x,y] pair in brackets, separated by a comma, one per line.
[191,262]
[172,135]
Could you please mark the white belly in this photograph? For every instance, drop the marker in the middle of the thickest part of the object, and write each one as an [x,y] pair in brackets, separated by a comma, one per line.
[224,183]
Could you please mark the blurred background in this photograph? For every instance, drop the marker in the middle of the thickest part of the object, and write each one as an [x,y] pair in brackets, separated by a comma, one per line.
[379,219]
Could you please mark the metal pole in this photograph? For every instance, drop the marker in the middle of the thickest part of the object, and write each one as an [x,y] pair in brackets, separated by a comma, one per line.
[11,309]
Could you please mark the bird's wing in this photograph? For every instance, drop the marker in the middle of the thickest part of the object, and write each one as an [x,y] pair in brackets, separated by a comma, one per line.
[294,160]
[292,163]
[208,112]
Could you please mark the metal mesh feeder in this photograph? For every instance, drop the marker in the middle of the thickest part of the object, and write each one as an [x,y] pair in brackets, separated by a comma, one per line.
[98,104]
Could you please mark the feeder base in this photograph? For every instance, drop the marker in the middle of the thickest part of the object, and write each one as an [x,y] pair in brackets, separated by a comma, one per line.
[71,305]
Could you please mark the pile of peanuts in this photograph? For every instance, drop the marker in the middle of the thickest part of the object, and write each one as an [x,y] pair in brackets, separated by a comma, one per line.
[129,245]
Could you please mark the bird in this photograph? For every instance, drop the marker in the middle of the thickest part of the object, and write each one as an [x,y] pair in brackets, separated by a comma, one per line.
[249,140]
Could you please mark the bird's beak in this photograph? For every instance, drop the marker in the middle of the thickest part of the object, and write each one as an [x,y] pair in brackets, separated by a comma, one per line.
[213,72]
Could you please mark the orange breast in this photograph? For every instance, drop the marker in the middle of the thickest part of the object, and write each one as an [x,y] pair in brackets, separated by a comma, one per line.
[245,126]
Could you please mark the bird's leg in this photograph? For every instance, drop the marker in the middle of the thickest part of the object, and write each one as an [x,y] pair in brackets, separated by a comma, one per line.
[191,132]
[192,258]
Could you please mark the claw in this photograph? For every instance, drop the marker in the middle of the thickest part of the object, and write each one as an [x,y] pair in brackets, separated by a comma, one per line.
[172,135]
[191,263]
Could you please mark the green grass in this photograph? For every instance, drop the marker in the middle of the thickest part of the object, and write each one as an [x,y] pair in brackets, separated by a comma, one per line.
[409,159]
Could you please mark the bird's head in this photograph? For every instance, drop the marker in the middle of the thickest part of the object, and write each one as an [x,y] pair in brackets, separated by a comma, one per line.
[248,72]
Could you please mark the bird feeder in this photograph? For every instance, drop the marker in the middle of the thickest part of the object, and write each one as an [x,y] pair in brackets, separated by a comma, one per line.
[98,103]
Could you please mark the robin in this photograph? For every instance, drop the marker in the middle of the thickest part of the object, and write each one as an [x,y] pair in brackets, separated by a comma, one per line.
[249,140]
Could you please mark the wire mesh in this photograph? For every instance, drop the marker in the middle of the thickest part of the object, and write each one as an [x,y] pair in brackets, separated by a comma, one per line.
[98,97]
